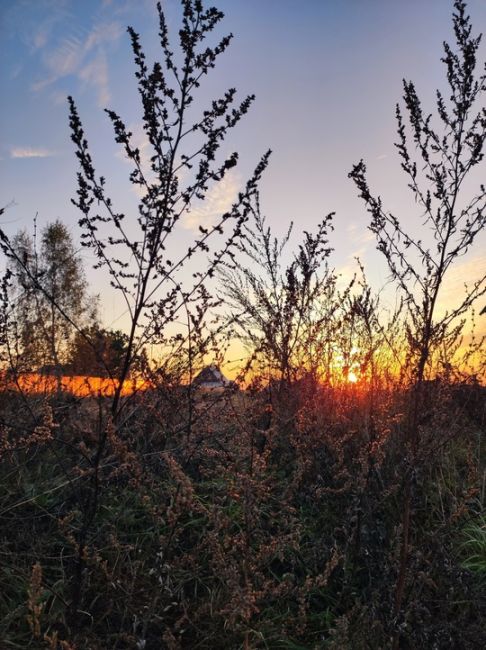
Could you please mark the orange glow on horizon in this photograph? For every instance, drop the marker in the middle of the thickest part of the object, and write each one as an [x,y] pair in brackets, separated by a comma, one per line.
[77,385]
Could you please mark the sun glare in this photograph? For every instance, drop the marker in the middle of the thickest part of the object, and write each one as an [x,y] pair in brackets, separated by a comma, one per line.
[352,378]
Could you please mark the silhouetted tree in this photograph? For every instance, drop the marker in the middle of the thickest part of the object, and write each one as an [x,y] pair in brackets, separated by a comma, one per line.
[100,352]
[50,294]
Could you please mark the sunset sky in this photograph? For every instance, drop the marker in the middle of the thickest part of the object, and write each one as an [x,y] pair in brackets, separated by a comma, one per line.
[326,74]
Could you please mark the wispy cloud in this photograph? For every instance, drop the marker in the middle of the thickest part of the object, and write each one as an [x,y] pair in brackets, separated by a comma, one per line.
[122,7]
[30,152]
[218,201]
[41,36]
[103,33]
[61,61]
[58,97]
[16,70]
[33,22]
[346,273]
[140,141]
[360,236]
[81,55]
[96,73]
[465,272]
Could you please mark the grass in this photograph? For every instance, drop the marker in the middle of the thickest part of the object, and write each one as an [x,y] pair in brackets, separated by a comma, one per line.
[474,546]
[227,554]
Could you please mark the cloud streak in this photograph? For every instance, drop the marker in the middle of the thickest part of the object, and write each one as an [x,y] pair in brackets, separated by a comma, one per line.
[83,56]
[465,272]
[30,152]
[218,200]
[96,73]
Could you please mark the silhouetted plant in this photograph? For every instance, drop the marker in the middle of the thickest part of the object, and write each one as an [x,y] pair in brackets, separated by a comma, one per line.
[436,172]
[167,92]
[140,267]
[282,314]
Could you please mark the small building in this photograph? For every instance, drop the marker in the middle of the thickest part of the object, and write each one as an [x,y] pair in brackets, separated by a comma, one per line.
[212,379]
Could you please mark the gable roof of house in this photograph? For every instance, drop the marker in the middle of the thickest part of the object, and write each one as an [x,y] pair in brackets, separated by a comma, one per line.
[211,376]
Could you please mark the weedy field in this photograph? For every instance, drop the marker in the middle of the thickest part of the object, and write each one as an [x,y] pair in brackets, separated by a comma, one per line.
[332,496]
[272,520]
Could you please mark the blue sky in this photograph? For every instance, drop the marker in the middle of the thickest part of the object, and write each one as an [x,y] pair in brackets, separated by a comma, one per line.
[326,74]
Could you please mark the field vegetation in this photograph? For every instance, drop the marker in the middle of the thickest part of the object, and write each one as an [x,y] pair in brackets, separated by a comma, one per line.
[334,495]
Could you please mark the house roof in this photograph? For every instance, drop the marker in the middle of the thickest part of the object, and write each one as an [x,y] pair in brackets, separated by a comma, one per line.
[211,375]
